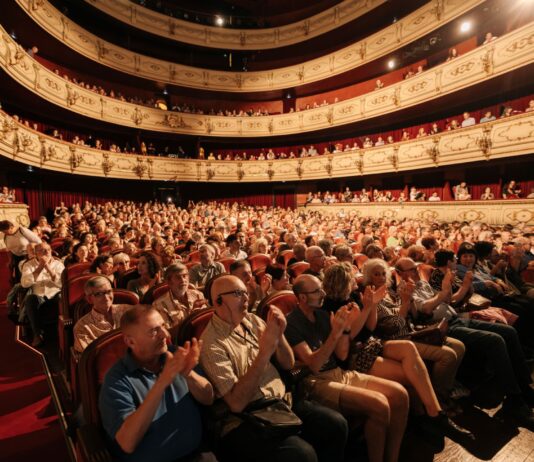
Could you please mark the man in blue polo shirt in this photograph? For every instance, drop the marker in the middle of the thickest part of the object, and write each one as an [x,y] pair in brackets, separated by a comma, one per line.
[147,401]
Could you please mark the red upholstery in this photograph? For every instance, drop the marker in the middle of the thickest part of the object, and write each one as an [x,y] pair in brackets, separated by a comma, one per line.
[76,269]
[226,262]
[285,300]
[179,249]
[95,361]
[425,271]
[528,275]
[287,255]
[57,243]
[194,325]
[259,261]
[298,268]
[154,293]
[5,273]
[360,260]
[194,256]
[126,277]
[126,297]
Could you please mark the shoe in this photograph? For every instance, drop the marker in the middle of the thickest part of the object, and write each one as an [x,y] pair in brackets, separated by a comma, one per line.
[459,391]
[37,341]
[442,423]
[520,411]
[451,407]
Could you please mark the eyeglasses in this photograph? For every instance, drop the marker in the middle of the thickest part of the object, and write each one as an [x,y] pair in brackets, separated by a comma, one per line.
[316,291]
[238,293]
[102,293]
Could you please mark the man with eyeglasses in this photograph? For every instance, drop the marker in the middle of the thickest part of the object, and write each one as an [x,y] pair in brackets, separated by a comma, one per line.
[315,256]
[493,343]
[148,398]
[104,315]
[239,353]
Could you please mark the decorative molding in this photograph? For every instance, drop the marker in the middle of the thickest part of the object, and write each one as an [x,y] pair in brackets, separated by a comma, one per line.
[406,30]
[227,38]
[460,73]
[509,137]
[496,212]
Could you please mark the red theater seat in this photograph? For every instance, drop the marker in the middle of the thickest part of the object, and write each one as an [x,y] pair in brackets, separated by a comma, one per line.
[296,269]
[226,262]
[286,255]
[259,261]
[194,325]
[285,300]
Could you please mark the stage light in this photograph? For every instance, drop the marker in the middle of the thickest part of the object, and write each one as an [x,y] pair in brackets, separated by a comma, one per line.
[465,26]
[219,21]
[391,63]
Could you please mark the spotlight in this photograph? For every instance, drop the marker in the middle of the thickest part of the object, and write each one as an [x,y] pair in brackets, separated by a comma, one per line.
[391,63]
[219,21]
[465,26]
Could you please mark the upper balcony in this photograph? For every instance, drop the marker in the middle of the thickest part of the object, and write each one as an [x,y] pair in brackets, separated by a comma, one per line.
[510,53]
[415,25]
[224,36]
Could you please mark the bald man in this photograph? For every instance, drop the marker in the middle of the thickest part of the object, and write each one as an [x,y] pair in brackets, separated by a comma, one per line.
[236,355]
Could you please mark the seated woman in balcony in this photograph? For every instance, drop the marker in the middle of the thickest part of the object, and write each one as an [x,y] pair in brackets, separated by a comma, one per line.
[453,53]
[421,132]
[367,143]
[487,195]
[461,192]
[405,136]
[390,140]
[435,129]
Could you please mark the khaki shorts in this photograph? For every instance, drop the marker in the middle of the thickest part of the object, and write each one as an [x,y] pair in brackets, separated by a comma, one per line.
[326,387]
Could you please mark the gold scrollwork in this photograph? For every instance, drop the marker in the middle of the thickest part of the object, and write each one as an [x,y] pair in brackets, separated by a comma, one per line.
[107,164]
[270,171]
[75,159]
[433,151]
[485,143]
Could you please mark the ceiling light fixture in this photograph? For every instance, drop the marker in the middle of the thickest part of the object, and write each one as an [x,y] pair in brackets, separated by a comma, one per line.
[219,21]
[391,63]
[465,26]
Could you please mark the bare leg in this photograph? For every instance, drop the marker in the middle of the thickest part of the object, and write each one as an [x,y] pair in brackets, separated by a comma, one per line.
[401,362]
[385,404]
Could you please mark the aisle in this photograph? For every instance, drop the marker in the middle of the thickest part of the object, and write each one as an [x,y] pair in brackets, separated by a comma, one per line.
[29,425]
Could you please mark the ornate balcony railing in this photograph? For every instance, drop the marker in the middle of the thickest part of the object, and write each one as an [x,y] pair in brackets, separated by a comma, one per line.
[502,138]
[417,24]
[227,38]
[506,54]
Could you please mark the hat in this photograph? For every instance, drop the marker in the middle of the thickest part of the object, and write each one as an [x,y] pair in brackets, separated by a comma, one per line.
[466,248]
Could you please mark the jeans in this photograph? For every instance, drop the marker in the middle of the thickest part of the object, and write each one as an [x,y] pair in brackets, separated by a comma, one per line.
[323,438]
[498,345]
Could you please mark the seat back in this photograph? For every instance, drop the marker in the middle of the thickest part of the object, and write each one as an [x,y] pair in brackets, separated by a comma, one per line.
[259,261]
[360,259]
[76,269]
[296,269]
[126,277]
[95,362]
[194,256]
[194,325]
[226,262]
[286,255]
[285,300]
[154,293]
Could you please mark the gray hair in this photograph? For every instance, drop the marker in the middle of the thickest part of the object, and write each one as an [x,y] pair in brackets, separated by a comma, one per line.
[97,281]
[174,268]
[370,266]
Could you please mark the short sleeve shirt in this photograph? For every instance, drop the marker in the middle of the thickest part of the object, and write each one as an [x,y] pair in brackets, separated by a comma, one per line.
[176,427]
[300,329]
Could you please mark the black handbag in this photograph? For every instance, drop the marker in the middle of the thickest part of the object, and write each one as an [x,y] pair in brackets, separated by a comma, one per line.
[272,418]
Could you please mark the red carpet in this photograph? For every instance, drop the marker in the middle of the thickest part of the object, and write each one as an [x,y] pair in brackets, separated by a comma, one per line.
[29,425]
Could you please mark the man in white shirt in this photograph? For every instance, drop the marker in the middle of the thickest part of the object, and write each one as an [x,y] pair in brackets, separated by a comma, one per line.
[43,276]
[234,248]
[468,120]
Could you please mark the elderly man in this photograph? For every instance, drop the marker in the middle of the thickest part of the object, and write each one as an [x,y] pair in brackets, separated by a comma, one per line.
[104,315]
[237,351]
[207,269]
[315,256]
[181,300]
[42,275]
[299,252]
[317,339]
[493,343]
[147,400]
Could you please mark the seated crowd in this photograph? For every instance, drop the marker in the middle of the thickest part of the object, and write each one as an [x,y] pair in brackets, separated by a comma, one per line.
[361,289]
[347,145]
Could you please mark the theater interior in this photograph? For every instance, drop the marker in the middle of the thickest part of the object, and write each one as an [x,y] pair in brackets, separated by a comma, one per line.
[163,126]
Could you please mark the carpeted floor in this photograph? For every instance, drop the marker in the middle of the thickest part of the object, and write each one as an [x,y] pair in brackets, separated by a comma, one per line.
[29,426]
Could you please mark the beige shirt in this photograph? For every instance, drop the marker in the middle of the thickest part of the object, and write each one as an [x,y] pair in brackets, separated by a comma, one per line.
[44,285]
[227,355]
[94,324]
[174,312]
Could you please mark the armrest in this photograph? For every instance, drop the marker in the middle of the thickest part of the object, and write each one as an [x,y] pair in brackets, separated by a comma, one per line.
[92,446]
